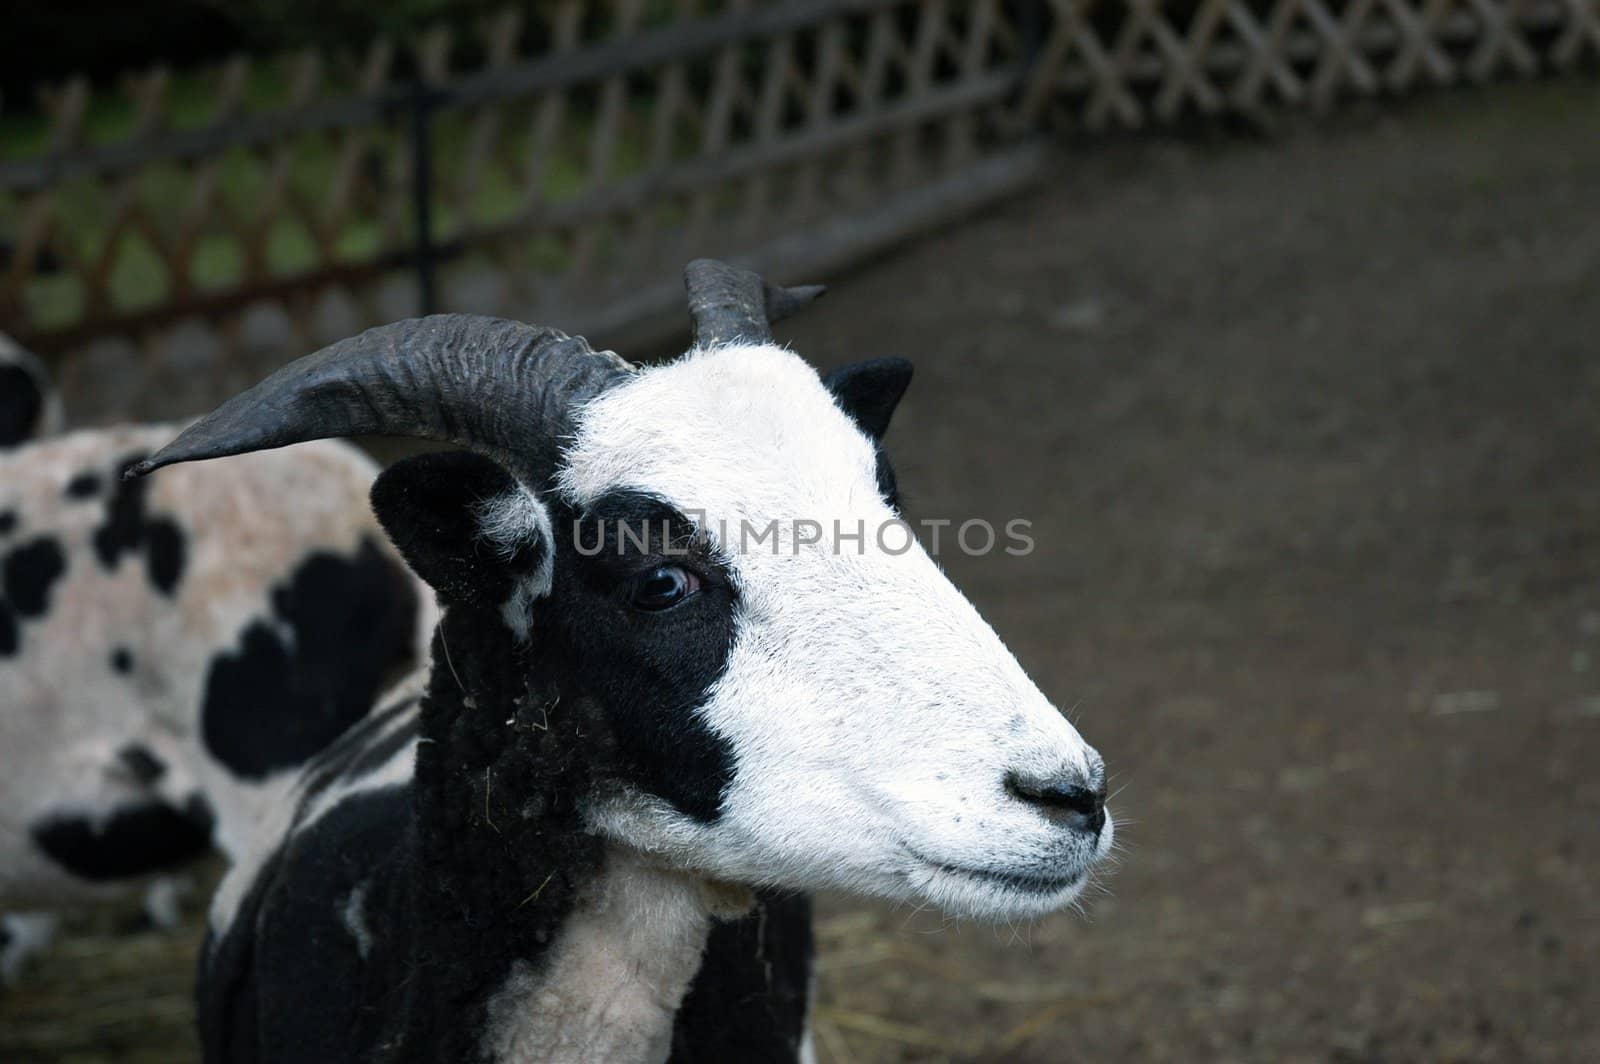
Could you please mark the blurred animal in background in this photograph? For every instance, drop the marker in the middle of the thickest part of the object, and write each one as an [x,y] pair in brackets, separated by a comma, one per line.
[170,652]
[642,737]
[29,404]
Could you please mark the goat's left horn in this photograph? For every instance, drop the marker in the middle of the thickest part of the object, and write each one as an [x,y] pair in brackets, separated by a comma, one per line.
[729,304]
[502,388]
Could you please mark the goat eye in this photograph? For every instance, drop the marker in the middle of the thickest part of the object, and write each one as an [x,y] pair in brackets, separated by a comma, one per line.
[663,587]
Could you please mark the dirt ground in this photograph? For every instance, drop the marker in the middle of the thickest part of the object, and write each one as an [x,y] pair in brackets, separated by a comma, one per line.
[1309,433]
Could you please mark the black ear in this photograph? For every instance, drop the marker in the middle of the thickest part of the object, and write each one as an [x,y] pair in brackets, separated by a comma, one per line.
[869,391]
[431,505]
[21,405]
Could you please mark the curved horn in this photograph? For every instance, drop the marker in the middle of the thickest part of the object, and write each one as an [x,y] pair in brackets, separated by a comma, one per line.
[727,303]
[501,388]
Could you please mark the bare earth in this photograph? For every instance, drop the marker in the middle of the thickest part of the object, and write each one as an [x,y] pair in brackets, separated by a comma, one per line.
[1309,434]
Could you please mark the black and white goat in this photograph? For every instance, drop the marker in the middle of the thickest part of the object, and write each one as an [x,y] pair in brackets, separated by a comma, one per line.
[170,651]
[639,743]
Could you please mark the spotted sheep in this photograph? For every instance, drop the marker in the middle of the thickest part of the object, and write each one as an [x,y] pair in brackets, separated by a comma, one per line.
[591,835]
[171,650]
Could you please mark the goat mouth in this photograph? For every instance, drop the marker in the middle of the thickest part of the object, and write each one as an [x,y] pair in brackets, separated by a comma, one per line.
[1019,882]
[1016,882]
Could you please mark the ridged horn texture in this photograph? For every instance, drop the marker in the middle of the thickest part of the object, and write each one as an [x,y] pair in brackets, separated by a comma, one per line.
[501,388]
[728,304]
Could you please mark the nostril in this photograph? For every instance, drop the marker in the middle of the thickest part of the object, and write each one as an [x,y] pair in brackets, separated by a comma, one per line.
[1064,799]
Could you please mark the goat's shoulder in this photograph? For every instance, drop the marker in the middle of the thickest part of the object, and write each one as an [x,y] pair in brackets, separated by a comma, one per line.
[303,928]
[313,951]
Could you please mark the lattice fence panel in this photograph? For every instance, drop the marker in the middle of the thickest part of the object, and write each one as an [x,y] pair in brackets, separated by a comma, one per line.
[562,160]
[173,215]
[725,147]
[1132,62]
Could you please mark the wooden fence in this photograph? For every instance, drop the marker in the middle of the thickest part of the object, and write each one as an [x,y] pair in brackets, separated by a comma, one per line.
[1156,60]
[563,169]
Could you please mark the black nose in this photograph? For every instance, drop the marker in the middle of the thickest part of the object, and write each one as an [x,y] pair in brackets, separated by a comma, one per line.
[1064,799]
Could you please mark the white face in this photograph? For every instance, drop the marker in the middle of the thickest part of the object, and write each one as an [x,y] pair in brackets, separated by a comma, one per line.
[874,718]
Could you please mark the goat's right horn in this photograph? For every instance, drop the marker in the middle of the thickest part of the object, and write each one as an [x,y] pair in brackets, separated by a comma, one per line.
[501,388]
[729,304]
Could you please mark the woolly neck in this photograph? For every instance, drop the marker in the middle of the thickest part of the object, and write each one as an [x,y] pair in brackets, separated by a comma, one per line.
[559,945]
[611,985]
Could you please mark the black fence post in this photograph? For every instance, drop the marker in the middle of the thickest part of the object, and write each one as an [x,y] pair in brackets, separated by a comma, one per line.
[1031,19]
[419,105]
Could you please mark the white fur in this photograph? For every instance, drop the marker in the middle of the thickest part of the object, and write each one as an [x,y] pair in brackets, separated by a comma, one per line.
[873,714]
[508,522]
[397,770]
[353,915]
[615,977]
[163,900]
[29,934]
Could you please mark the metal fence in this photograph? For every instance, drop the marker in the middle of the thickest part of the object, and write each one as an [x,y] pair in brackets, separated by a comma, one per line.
[563,167]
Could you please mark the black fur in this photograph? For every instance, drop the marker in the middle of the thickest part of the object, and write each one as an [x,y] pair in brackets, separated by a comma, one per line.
[229,984]
[869,392]
[475,866]
[127,529]
[270,705]
[280,984]
[27,573]
[337,762]
[165,554]
[85,485]
[370,835]
[471,868]
[748,1002]
[649,670]
[375,754]
[246,983]
[503,851]
[135,840]
[142,765]
[888,483]
[8,522]
[30,570]
[428,504]
[21,405]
